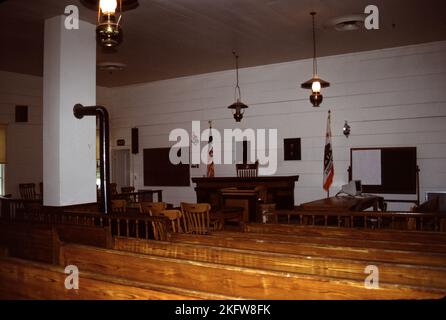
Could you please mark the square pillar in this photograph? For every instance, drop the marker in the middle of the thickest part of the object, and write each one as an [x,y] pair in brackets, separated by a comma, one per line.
[69,144]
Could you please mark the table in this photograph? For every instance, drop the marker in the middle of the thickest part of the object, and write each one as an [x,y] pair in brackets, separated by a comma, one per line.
[279,189]
[342,203]
[141,195]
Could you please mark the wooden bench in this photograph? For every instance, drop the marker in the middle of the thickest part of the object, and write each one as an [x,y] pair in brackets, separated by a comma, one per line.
[293,245]
[230,280]
[333,240]
[365,234]
[432,277]
[40,242]
[30,241]
[20,279]
[87,235]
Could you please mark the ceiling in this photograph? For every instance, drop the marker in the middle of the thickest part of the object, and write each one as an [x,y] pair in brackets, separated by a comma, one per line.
[171,38]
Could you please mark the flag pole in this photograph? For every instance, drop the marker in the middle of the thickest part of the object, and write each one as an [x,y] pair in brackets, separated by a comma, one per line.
[329,114]
[328,158]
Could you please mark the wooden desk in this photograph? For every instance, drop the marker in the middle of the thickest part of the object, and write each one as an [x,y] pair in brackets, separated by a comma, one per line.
[340,204]
[141,195]
[279,189]
[247,199]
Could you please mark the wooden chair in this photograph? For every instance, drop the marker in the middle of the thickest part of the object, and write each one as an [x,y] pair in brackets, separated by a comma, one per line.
[247,170]
[175,218]
[196,217]
[152,208]
[28,191]
[119,206]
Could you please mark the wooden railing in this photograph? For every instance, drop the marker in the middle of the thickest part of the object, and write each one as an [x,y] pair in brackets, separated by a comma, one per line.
[9,207]
[129,225]
[421,221]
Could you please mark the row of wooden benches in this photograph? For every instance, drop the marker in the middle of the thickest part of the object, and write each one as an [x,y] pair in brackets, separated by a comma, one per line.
[265,262]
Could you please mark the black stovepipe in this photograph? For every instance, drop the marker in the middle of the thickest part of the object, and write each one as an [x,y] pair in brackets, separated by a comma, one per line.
[101,113]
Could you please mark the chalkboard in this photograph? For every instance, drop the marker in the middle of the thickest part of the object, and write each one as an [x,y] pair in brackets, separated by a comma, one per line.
[159,171]
[388,170]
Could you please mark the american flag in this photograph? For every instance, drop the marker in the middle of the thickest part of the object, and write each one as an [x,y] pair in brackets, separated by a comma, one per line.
[210,168]
[328,157]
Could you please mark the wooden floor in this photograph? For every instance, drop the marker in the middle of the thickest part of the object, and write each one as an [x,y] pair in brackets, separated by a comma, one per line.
[264,262]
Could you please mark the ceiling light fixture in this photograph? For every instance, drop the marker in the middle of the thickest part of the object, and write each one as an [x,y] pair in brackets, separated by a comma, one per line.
[238,107]
[315,83]
[108,31]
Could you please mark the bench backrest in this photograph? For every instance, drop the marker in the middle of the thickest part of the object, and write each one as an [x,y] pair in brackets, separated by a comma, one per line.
[30,241]
[229,280]
[432,277]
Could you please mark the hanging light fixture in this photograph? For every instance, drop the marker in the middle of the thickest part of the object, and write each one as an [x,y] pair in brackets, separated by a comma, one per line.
[108,31]
[238,107]
[315,83]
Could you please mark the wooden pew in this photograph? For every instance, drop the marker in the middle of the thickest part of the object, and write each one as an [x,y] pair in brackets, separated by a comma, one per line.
[30,241]
[87,235]
[345,233]
[342,241]
[40,242]
[20,279]
[432,277]
[230,280]
[291,245]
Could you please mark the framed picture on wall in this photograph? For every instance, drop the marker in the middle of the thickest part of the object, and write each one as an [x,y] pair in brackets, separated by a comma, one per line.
[291,149]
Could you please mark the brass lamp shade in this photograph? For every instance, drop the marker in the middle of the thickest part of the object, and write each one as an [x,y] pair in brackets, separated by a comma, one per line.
[308,84]
[238,110]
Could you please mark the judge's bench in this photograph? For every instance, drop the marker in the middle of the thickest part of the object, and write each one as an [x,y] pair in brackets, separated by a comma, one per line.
[246,192]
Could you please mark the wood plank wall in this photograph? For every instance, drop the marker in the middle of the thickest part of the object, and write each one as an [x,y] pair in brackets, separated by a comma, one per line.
[391,97]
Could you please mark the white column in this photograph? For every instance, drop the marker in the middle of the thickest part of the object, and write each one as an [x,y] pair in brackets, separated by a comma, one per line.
[69,144]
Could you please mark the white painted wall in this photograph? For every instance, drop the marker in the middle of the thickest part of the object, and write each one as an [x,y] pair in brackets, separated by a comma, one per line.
[391,97]
[24,140]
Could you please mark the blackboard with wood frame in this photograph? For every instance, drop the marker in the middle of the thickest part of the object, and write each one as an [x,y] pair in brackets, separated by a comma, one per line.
[159,171]
[399,170]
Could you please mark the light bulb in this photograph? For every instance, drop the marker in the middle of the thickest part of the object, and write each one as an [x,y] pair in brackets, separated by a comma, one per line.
[108,6]
[316,87]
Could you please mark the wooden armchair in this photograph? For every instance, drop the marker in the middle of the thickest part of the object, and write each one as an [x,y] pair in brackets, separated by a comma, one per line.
[175,218]
[247,170]
[28,191]
[152,208]
[196,217]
